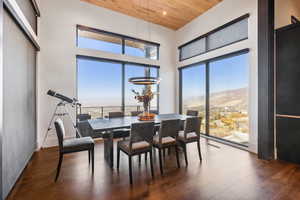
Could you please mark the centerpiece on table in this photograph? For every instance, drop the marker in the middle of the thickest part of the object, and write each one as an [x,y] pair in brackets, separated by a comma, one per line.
[145,97]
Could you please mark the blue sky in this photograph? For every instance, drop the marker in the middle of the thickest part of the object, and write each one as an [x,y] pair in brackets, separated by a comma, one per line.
[99,83]
[227,74]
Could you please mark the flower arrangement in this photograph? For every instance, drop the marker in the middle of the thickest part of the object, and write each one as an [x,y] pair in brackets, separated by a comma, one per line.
[145,97]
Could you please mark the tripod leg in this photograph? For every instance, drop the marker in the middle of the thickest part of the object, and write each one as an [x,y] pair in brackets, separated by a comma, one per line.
[51,121]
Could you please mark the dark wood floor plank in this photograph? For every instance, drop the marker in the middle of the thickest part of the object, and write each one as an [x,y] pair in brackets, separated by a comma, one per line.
[224,173]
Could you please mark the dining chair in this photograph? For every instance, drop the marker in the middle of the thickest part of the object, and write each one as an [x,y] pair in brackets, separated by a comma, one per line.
[72,145]
[83,117]
[119,133]
[167,138]
[139,142]
[136,113]
[192,113]
[190,134]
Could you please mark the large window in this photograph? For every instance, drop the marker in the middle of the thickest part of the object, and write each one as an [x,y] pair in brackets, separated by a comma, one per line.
[232,32]
[103,86]
[225,97]
[193,90]
[91,38]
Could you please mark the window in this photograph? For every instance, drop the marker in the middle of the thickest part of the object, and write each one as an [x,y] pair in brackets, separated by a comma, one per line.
[99,41]
[131,104]
[193,91]
[225,97]
[195,48]
[229,99]
[91,38]
[232,32]
[99,86]
[140,49]
[103,86]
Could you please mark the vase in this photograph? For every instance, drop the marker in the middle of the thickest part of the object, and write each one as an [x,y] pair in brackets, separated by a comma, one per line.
[146,115]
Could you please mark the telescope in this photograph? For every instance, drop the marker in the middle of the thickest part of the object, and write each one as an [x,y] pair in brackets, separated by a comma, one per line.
[63,97]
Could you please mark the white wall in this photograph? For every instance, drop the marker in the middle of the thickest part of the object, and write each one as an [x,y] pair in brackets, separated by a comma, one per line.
[223,13]
[57,59]
[284,9]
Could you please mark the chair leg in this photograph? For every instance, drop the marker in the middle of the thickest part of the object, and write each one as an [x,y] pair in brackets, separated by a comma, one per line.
[89,151]
[59,165]
[151,164]
[146,156]
[93,158]
[139,159]
[130,169]
[118,158]
[185,154]
[199,150]
[160,162]
[177,156]
[169,151]
[164,153]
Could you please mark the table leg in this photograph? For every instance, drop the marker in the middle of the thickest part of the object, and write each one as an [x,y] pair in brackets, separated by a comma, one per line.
[109,149]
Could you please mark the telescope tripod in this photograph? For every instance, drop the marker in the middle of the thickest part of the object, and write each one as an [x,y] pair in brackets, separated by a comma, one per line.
[56,114]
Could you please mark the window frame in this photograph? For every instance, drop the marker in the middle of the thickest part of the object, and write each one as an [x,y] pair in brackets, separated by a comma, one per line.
[207,94]
[206,35]
[123,63]
[122,37]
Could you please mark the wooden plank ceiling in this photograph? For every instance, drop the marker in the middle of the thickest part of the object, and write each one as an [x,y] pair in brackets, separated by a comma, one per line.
[172,14]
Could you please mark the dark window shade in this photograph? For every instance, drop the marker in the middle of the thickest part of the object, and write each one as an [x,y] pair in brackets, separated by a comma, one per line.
[28,10]
[19,99]
[236,32]
[232,32]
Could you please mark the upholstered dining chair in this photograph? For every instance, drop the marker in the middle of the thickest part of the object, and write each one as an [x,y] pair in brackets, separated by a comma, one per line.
[190,134]
[119,133]
[136,113]
[72,145]
[139,142]
[167,138]
[192,113]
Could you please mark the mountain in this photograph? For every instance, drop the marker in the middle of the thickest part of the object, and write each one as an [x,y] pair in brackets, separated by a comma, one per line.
[231,98]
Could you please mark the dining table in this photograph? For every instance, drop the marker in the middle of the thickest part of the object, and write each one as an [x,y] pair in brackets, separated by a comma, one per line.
[108,125]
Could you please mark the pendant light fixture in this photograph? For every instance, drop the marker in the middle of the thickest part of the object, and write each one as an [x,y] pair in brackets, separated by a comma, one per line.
[147,80]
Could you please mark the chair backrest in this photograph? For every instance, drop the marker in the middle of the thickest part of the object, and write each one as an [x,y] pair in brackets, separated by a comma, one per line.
[135,113]
[60,132]
[84,128]
[169,128]
[192,124]
[192,113]
[142,131]
[83,117]
[115,114]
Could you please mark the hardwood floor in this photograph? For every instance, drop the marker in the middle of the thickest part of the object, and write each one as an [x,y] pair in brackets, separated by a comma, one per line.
[225,173]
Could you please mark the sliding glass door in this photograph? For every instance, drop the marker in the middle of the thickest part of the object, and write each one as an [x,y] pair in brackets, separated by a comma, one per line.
[228,99]
[103,87]
[193,90]
[225,96]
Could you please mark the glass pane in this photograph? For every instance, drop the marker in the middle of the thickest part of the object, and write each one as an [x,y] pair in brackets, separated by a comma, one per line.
[99,87]
[140,49]
[131,104]
[193,91]
[193,49]
[154,102]
[229,99]
[228,35]
[99,41]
